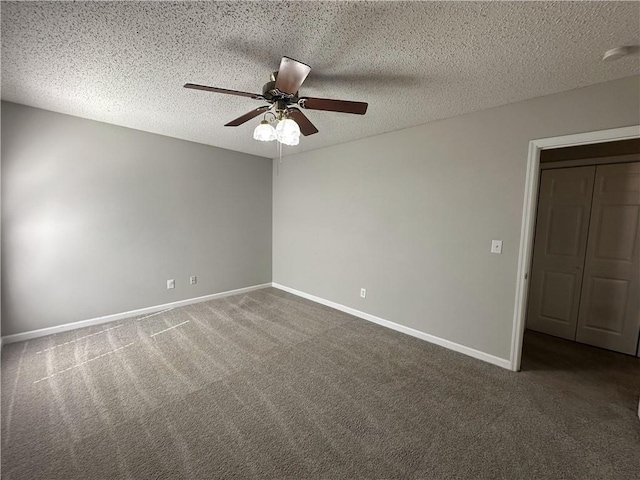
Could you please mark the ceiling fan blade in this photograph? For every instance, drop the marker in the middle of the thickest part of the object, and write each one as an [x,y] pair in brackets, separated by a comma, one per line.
[344,106]
[222,90]
[247,116]
[291,75]
[306,127]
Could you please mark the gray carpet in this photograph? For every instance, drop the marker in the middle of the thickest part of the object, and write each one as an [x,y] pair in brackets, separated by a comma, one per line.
[268,385]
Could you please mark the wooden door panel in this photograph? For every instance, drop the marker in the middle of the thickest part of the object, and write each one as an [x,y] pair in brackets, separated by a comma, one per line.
[570,183]
[610,305]
[556,287]
[605,304]
[566,224]
[616,227]
[560,244]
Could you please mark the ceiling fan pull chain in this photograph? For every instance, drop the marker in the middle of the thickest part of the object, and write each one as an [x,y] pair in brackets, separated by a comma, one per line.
[280,161]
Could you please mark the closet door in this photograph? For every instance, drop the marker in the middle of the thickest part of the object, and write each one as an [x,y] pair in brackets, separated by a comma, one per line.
[560,244]
[610,305]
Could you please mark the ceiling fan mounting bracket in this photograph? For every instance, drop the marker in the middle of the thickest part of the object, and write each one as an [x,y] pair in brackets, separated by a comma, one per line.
[272,94]
[285,95]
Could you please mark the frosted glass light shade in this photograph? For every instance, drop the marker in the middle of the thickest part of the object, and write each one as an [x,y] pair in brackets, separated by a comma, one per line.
[264,132]
[287,127]
[293,140]
[288,132]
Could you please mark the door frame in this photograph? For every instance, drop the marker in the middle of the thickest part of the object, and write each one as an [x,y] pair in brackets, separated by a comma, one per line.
[527,229]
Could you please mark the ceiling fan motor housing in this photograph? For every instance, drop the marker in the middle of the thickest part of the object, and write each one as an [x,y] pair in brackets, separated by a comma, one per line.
[272,94]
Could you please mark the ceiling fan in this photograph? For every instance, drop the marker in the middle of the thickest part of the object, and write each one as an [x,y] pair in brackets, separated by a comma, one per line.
[282,95]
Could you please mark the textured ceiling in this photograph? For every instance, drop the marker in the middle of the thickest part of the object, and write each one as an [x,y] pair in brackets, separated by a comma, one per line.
[125,62]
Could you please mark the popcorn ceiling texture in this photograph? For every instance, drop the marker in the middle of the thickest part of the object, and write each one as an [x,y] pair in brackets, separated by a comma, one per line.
[125,62]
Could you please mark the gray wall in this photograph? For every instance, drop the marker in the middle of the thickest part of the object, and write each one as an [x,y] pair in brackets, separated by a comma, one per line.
[96,218]
[410,215]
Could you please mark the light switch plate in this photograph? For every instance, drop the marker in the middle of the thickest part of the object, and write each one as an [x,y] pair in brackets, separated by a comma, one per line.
[496,246]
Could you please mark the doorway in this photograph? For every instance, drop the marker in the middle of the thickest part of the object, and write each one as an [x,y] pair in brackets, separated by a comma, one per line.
[585,276]
[532,184]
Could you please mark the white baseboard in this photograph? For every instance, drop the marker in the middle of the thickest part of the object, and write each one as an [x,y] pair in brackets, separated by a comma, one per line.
[19,337]
[500,362]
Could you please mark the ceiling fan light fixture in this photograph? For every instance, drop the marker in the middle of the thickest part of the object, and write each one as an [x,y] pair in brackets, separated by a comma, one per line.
[264,132]
[292,141]
[288,132]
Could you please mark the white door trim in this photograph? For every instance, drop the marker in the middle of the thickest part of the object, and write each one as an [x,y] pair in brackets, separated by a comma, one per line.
[529,214]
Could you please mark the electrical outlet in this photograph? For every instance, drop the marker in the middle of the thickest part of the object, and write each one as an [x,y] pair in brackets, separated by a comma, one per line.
[193,280]
[171,284]
[496,246]
[363,292]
